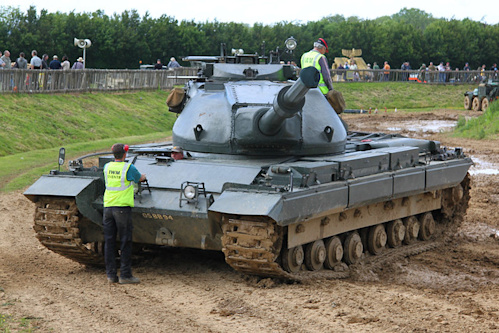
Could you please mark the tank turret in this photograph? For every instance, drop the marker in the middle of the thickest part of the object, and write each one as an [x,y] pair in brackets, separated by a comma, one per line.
[255,109]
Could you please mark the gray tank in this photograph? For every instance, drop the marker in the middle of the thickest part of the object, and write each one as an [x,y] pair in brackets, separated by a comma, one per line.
[271,177]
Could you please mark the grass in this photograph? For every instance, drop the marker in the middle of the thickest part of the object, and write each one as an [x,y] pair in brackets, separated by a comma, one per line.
[482,127]
[22,325]
[31,122]
[34,127]
[402,95]
[10,324]
[19,170]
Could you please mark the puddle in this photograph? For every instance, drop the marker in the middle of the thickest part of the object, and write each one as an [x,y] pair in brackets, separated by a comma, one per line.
[434,126]
[482,167]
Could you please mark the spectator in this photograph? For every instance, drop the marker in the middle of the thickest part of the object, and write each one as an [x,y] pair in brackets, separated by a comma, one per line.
[376,70]
[403,68]
[78,64]
[158,64]
[466,68]
[386,73]
[494,68]
[447,72]
[20,80]
[6,59]
[483,75]
[369,74]
[55,63]
[353,67]
[36,62]
[345,73]
[173,63]
[432,69]
[21,62]
[45,58]
[65,63]
[341,72]
[2,62]
[441,72]
[422,72]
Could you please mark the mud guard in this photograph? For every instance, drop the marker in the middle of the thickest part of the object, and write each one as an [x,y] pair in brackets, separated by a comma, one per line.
[284,208]
[84,189]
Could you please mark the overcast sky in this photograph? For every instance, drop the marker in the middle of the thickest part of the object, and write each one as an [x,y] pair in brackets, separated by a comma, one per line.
[268,12]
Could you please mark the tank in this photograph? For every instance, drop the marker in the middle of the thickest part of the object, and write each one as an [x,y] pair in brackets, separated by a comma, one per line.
[270,176]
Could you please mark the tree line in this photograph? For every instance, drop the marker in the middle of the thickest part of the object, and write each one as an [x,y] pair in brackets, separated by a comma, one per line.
[126,40]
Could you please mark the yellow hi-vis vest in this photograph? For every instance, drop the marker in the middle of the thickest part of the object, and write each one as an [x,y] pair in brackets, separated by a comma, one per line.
[311,59]
[119,190]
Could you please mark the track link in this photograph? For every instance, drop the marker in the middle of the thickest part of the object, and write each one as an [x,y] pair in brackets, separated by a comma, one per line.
[56,227]
[252,244]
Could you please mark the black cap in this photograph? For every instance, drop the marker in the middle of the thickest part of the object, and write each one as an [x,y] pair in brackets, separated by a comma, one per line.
[323,42]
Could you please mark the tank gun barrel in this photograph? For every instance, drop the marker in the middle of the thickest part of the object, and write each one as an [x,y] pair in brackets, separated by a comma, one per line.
[289,101]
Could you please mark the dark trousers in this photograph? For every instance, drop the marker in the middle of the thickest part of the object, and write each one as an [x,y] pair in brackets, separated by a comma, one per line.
[118,221]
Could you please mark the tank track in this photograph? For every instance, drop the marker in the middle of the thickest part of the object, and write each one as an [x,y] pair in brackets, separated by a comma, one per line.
[56,227]
[252,245]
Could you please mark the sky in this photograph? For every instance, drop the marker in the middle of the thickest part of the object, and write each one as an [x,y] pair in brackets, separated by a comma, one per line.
[269,12]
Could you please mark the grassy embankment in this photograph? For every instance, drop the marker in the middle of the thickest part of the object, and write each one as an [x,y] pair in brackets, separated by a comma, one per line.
[33,127]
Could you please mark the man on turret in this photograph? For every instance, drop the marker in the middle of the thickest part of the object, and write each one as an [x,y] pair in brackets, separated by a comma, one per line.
[315,58]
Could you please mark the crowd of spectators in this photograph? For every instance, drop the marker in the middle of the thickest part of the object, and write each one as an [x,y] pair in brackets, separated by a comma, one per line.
[36,62]
[445,73]
[37,79]
[441,73]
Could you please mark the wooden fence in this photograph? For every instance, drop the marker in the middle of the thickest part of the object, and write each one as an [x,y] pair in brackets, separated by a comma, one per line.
[422,76]
[78,80]
[85,80]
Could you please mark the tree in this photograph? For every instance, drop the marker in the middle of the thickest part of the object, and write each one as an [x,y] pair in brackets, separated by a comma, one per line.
[124,40]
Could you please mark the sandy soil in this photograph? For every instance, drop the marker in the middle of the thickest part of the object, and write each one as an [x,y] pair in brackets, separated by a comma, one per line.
[451,289]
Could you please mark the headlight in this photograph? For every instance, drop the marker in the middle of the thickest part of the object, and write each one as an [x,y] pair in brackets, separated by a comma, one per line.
[290,43]
[190,192]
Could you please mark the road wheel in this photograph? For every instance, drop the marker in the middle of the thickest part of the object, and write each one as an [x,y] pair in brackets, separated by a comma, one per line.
[315,254]
[427,226]
[376,239]
[395,232]
[334,252]
[467,102]
[477,105]
[412,227]
[293,258]
[485,104]
[353,248]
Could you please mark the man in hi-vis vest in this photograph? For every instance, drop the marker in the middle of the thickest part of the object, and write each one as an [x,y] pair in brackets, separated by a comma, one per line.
[118,203]
[315,58]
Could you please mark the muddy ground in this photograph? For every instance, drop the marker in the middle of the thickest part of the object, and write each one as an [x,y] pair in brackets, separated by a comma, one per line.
[450,289]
